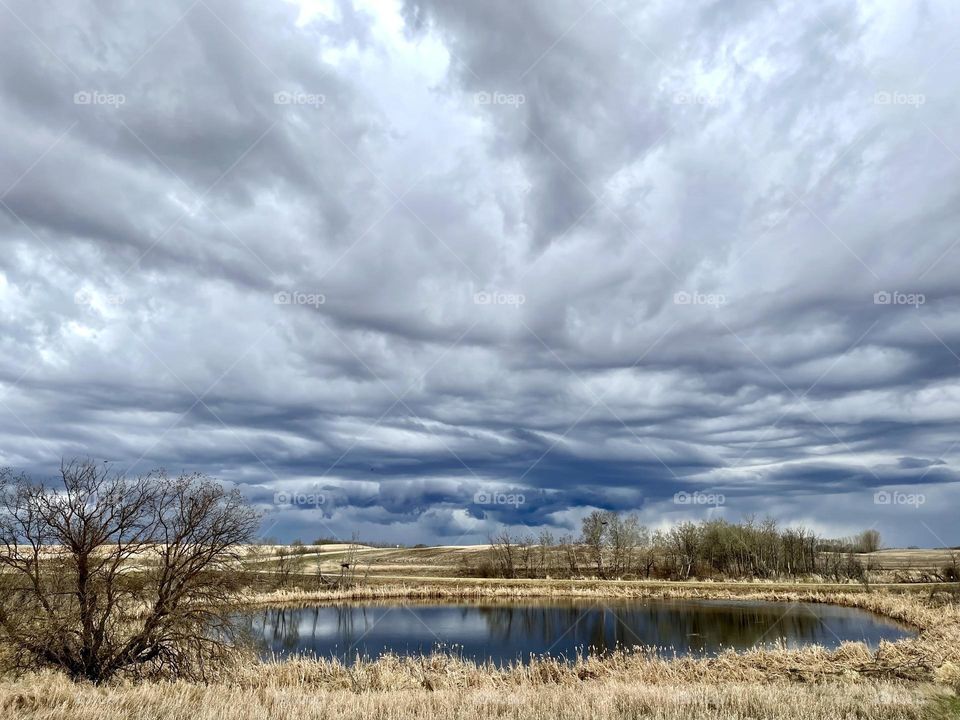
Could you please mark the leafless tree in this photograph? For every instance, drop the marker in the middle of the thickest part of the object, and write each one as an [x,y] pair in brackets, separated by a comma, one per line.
[625,535]
[652,550]
[950,572]
[109,574]
[569,548]
[525,552]
[545,553]
[504,554]
[868,541]
[594,537]
[284,566]
[684,542]
[321,580]
[350,565]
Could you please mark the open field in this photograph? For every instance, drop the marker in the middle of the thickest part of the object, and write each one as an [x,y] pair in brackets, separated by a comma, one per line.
[908,559]
[912,678]
[456,561]
[442,561]
[52,698]
[901,680]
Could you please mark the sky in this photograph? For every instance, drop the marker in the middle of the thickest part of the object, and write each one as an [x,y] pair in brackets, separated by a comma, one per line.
[420,271]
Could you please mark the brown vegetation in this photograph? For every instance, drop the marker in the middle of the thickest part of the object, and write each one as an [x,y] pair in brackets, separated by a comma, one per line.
[48,697]
[127,582]
[618,546]
[899,680]
[109,574]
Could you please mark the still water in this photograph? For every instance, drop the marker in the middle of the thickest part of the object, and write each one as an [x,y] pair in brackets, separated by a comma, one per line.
[508,632]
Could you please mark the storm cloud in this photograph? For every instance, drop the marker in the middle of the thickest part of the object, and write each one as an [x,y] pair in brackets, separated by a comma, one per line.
[419,270]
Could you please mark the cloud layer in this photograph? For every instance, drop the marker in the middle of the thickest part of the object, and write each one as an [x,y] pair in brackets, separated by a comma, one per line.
[418,270]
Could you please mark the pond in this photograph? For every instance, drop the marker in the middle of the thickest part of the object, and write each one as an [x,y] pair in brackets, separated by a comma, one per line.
[507,632]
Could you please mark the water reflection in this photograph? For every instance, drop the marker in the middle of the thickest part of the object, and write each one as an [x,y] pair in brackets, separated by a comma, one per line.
[504,632]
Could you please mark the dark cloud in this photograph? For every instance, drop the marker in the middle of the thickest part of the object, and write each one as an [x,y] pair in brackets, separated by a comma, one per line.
[411,257]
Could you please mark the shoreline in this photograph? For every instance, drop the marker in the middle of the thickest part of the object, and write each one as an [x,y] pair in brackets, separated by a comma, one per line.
[918,658]
[902,679]
[903,606]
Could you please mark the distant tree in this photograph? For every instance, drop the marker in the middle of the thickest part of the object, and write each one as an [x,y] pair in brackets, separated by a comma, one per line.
[526,554]
[568,547]
[799,551]
[684,540]
[593,534]
[651,551]
[951,571]
[615,545]
[283,566]
[505,554]
[109,574]
[868,541]
[545,552]
[624,537]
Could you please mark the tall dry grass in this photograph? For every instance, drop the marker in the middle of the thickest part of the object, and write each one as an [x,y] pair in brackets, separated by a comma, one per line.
[897,680]
[48,697]
[906,606]
[937,620]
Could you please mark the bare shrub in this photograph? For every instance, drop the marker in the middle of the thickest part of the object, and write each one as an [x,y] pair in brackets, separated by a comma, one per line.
[109,574]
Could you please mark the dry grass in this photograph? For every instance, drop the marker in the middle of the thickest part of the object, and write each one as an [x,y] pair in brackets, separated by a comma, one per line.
[440,561]
[906,679]
[472,588]
[936,647]
[903,558]
[926,611]
[48,697]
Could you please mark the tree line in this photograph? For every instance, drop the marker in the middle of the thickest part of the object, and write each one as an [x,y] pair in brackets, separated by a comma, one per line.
[612,545]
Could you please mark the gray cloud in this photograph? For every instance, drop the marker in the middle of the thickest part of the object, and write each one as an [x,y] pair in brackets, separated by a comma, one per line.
[590,254]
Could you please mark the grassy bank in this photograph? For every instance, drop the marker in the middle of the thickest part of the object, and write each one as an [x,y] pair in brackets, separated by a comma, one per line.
[482,588]
[936,646]
[911,678]
[52,698]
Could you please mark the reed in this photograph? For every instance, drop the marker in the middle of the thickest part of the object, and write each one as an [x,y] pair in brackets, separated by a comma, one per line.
[906,679]
[937,645]
[50,697]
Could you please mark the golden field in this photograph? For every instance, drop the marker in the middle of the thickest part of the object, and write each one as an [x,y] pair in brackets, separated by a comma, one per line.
[52,698]
[912,678]
[449,562]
